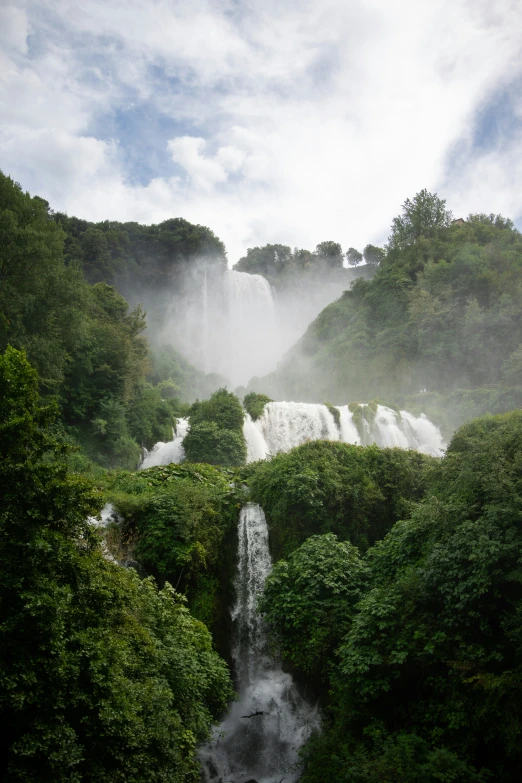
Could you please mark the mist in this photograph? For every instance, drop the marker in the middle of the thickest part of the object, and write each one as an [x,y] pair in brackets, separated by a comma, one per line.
[230,325]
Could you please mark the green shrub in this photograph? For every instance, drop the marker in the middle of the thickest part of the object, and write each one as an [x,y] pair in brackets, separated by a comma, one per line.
[216,431]
[323,487]
[308,601]
[254,404]
[206,442]
[183,520]
[223,408]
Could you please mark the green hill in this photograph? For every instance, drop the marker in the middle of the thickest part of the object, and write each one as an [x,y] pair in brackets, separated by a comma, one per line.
[438,327]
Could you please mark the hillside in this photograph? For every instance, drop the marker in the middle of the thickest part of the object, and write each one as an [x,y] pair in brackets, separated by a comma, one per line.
[439,326]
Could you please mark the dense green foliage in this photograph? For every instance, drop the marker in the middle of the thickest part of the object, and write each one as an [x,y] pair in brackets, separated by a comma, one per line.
[254,404]
[443,313]
[283,266]
[87,347]
[216,431]
[133,255]
[104,678]
[308,600]
[180,522]
[425,683]
[330,487]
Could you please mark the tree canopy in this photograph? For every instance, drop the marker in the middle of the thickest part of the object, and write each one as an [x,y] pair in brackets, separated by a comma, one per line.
[423,216]
[421,638]
[104,677]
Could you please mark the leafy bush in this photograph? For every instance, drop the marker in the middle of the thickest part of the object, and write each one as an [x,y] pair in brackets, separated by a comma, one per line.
[223,408]
[206,442]
[216,431]
[308,600]
[255,404]
[183,519]
[322,487]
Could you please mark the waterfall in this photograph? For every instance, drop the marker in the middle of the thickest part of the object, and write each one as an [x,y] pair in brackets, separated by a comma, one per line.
[251,325]
[257,447]
[165,453]
[260,737]
[288,424]
[285,425]
[205,321]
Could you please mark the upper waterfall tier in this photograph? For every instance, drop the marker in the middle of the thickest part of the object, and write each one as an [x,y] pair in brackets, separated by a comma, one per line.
[285,425]
[252,328]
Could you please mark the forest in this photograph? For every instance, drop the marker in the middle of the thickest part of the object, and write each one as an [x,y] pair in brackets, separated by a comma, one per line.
[438,327]
[395,596]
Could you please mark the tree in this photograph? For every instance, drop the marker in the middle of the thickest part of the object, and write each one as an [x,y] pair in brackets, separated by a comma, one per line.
[373,255]
[100,671]
[269,260]
[331,252]
[308,601]
[353,257]
[428,680]
[423,216]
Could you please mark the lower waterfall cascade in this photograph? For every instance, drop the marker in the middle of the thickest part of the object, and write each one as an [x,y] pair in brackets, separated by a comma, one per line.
[260,737]
[285,425]
[171,451]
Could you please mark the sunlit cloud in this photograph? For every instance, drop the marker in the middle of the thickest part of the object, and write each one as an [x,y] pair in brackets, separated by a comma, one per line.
[290,122]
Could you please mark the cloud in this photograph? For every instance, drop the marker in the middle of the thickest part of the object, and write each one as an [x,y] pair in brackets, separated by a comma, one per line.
[203,171]
[297,121]
[14,28]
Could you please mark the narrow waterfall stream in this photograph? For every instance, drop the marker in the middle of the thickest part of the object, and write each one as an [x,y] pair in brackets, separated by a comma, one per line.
[259,739]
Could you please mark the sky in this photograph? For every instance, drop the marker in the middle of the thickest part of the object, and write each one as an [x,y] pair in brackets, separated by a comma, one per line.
[288,121]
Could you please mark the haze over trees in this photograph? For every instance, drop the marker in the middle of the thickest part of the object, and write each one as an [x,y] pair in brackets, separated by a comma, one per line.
[442,315]
[396,593]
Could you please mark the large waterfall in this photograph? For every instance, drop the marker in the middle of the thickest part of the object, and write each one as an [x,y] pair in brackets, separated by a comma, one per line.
[285,425]
[224,322]
[248,348]
[260,737]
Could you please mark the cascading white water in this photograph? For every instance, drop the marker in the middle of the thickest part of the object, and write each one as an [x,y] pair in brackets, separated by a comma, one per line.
[257,447]
[285,425]
[165,453]
[349,432]
[205,322]
[260,737]
[251,325]
[224,322]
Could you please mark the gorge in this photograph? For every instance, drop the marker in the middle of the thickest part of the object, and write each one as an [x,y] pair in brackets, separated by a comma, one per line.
[332,493]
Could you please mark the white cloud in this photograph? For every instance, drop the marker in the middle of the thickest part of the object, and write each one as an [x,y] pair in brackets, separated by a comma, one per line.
[314,119]
[14,28]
